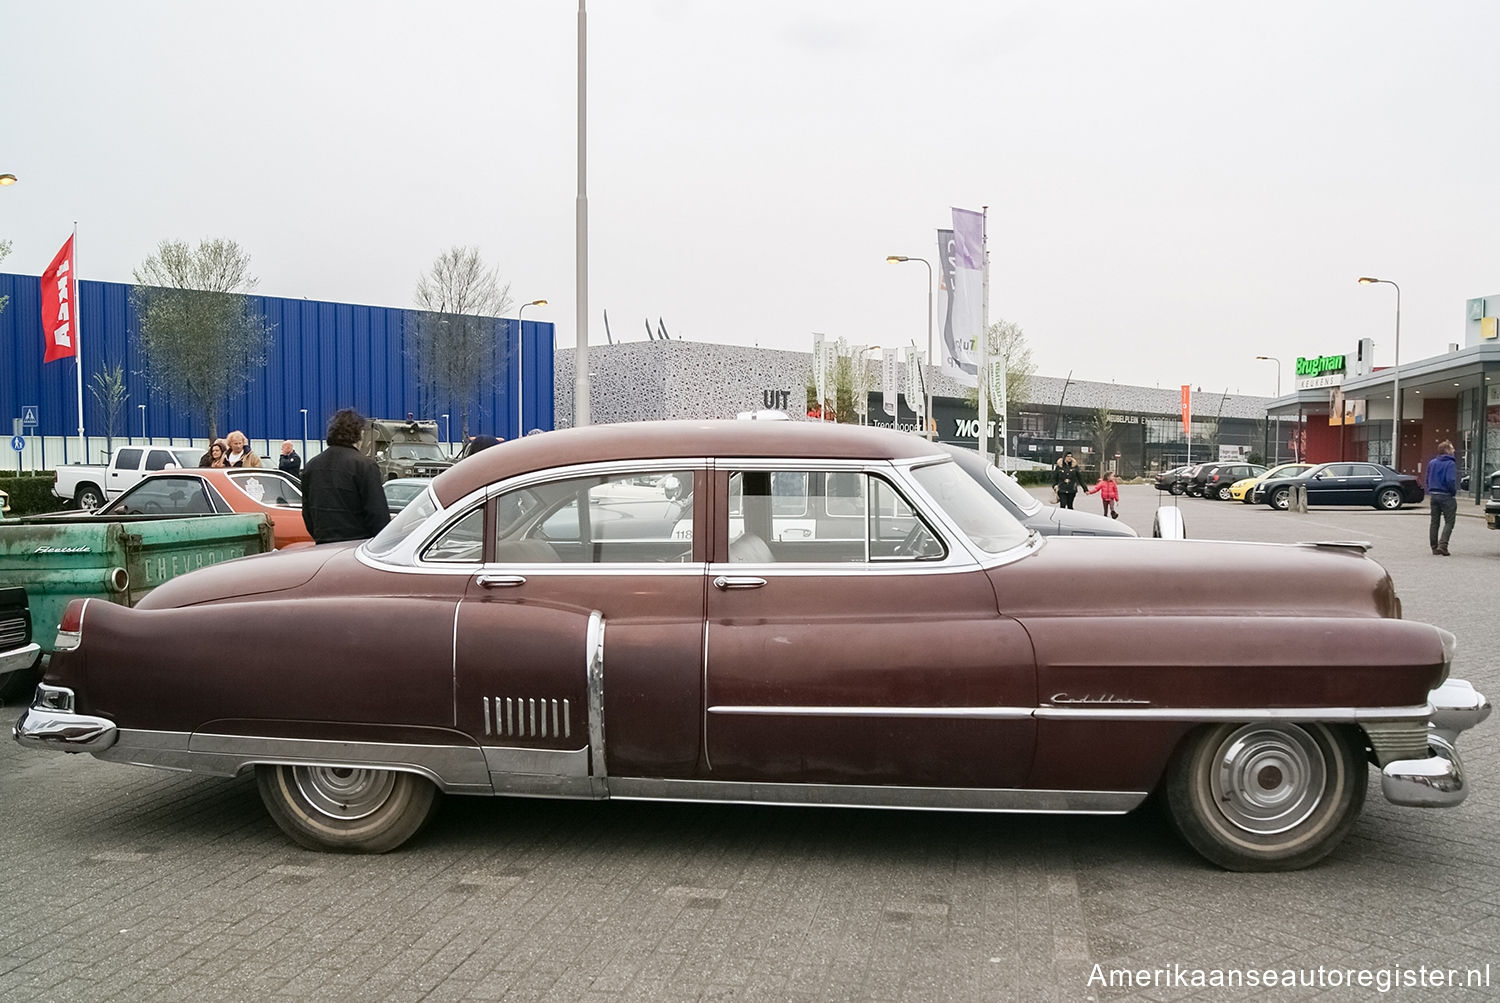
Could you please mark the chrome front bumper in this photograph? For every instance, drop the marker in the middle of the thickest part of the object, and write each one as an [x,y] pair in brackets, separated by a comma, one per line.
[50,723]
[1438,780]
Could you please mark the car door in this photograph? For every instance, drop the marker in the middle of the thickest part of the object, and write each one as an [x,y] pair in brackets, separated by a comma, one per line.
[1326,485]
[579,641]
[124,471]
[1364,480]
[870,658]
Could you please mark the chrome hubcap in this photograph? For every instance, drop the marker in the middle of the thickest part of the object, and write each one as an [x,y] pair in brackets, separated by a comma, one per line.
[344,793]
[1267,778]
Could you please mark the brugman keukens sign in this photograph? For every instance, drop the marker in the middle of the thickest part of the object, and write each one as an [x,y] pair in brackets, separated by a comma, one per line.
[1319,371]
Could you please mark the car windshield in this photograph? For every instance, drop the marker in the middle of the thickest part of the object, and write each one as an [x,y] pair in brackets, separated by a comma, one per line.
[267,487]
[416,451]
[980,516]
[397,529]
[398,494]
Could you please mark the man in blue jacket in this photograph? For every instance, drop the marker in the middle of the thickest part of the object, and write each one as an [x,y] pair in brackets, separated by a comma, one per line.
[1442,493]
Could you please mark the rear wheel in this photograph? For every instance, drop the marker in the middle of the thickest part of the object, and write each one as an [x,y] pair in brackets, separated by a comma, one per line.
[1388,499]
[1281,498]
[1223,492]
[88,497]
[344,809]
[1177,488]
[1268,796]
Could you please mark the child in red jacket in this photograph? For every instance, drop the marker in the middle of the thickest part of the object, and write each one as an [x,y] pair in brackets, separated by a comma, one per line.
[1109,493]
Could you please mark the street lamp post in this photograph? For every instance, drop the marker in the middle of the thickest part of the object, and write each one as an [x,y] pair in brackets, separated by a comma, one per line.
[304,434]
[1395,375]
[1272,358]
[142,409]
[926,418]
[520,369]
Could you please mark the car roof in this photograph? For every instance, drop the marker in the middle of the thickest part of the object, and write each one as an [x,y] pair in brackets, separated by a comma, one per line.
[650,440]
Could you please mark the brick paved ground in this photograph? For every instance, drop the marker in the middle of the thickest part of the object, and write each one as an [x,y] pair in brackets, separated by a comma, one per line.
[135,885]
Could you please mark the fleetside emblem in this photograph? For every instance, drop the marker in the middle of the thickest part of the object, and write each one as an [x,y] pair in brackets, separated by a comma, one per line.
[1091,699]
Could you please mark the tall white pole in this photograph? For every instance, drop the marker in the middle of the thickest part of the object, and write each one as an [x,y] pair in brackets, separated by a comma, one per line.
[581,237]
[984,340]
[83,456]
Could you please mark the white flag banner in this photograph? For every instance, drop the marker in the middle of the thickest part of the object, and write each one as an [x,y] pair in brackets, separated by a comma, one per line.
[965,257]
[820,373]
[889,367]
[997,394]
[913,393]
[861,381]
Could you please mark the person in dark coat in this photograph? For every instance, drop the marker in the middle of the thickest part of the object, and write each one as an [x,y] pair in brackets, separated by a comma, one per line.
[290,462]
[1067,478]
[342,497]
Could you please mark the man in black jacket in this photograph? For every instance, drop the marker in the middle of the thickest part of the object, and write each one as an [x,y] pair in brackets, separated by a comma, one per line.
[342,498]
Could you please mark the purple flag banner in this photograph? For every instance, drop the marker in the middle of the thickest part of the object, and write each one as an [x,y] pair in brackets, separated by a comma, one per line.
[966,304]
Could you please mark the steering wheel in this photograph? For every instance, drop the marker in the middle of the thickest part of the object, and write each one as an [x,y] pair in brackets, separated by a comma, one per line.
[915,543]
[153,508]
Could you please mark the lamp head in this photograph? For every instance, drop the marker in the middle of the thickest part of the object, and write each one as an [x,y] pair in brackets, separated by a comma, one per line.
[893,259]
[1367,281]
[7,179]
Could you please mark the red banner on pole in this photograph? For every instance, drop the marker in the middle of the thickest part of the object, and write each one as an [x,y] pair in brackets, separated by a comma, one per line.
[1187,411]
[59,294]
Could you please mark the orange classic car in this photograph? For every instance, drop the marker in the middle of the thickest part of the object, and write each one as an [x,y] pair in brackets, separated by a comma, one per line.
[211,490]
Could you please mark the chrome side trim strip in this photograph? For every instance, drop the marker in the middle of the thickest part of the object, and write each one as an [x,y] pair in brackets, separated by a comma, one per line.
[537,762]
[593,653]
[1415,712]
[984,713]
[916,798]
[457,769]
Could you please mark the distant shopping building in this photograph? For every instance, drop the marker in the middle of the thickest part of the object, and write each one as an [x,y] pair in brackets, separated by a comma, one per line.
[1110,426]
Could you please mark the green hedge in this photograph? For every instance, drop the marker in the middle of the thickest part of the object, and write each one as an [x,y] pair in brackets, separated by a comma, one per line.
[30,494]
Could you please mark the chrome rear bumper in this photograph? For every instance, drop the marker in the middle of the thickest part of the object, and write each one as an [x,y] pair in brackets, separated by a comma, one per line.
[50,723]
[1438,780]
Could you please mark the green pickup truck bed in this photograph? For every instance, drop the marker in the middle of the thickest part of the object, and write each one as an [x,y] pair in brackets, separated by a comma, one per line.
[119,558]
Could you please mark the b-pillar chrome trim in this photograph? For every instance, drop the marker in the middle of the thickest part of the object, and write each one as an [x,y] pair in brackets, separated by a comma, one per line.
[594,656]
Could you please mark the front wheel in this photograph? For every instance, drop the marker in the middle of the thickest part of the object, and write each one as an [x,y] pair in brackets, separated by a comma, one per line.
[1388,499]
[1267,796]
[344,809]
[1281,499]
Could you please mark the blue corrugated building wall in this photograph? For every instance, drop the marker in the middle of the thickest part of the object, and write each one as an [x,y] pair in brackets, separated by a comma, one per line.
[323,356]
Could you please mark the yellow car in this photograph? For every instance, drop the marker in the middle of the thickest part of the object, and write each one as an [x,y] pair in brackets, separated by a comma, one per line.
[1245,490]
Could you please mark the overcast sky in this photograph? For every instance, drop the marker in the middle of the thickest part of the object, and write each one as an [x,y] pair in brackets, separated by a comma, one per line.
[1173,188]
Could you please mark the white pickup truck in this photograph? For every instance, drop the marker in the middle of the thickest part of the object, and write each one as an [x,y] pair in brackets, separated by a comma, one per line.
[89,486]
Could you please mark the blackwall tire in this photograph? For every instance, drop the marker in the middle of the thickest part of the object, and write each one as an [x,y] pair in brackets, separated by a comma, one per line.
[346,810]
[1389,499]
[88,497]
[1267,796]
[1177,488]
[1224,492]
[1280,499]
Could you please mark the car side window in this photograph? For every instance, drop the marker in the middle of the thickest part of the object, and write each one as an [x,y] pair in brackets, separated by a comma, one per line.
[614,519]
[461,543]
[160,459]
[843,517]
[165,496]
[128,459]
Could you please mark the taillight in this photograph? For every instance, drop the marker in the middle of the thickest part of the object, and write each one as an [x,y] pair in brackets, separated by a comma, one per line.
[70,630]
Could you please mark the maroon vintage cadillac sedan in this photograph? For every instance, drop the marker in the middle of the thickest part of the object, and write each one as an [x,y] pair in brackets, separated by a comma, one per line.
[770,612]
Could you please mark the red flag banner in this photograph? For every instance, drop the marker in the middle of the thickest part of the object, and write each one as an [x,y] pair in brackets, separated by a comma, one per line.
[59,294]
[1187,411]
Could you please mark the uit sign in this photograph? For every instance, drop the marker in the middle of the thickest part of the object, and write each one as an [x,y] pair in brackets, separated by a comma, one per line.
[1320,371]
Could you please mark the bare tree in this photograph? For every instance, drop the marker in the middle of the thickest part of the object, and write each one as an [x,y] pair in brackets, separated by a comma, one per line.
[200,333]
[455,335]
[1101,426]
[108,390]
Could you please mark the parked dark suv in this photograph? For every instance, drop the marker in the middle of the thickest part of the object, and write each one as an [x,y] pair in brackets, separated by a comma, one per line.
[1213,480]
[1492,504]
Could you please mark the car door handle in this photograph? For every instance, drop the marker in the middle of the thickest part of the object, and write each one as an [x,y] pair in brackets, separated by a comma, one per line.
[726,582]
[500,581]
